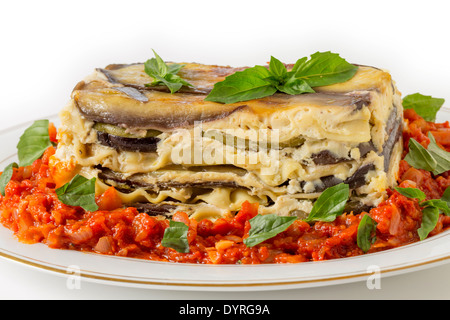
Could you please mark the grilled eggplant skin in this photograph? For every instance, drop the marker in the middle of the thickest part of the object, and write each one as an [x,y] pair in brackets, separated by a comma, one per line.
[202,77]
[107,175]
[120,96]
[128,144]
[153,209]
[165,112]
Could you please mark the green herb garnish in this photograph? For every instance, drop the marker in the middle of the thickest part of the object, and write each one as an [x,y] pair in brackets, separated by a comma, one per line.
[175,237]
[80,192]
[6,177]
[330,204]
[412,193]
[266,226]
[366,235]
[441,156]
[434,159]
[242,86]
[322,69]
[446,196]
[33,143]
[430,208]
[164,74]
[419,157]
[430,217]
[425,106]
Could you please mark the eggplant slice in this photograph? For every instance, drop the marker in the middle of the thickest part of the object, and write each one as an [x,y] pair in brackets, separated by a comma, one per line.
[166,112]
[128,144]
[130,184]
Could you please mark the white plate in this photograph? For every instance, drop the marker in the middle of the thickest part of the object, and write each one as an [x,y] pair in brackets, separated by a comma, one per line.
[159,275]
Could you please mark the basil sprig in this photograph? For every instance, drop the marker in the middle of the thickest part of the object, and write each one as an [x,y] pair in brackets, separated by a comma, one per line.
[433,159]
[430,208]
[330,204]
[263,227]
[430,218]
[175,237]
[419,157]
[33,143]
[412,193]
[425,106]
[79,192]
[446,196]
[366,234]
[6,176]
[242,86]
[441,156]
[164,74]
[322,69]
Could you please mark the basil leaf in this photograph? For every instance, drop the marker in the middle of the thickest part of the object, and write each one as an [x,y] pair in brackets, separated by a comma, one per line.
[300,62]
[430,217]
[430,208]
[175,237]
[156,65]
[446,196]
[323,69]
[164,74]
[411,193]
[175,79]
[330,204]
[266,226]
[419,157]
[243,85]
[415,193]
[437,203]
[434,159]
[174,68]
[277,68]
[80,192]
[6,177]
[173,86]
[295,86]
[425,106]
[33,143]
[441,156]
[365,236]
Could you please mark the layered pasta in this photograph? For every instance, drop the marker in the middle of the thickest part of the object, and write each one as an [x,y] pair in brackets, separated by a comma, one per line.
[167,152]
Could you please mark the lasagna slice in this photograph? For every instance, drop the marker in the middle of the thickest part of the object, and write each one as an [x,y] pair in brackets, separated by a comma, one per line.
[167,152]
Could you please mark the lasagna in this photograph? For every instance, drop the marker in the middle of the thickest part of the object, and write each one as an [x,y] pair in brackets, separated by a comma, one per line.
[167,152]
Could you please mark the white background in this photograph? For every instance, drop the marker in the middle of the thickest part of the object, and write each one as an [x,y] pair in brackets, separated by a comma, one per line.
[46,47]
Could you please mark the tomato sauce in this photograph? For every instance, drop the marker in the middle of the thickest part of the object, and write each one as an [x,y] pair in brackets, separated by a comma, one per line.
[31,209]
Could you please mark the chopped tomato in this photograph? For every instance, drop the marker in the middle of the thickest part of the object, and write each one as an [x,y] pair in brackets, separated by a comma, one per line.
[109,200]
[52,132]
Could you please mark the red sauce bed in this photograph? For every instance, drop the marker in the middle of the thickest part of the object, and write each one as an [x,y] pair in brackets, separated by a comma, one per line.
[33,212]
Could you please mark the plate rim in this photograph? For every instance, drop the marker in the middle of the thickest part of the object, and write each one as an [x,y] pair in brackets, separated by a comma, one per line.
[208,285]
